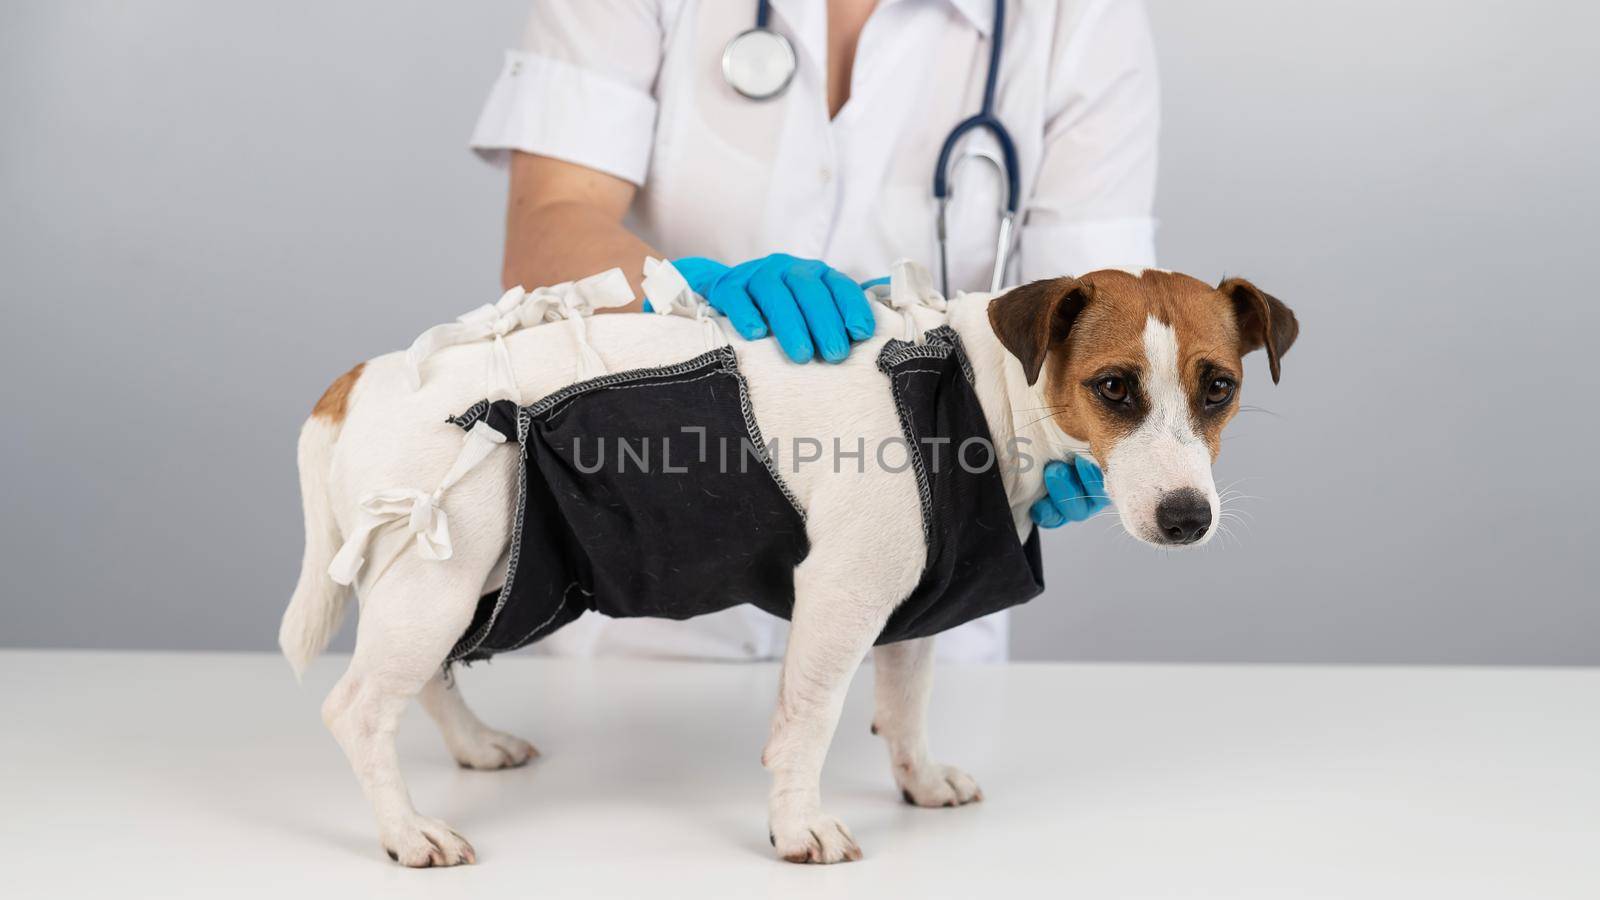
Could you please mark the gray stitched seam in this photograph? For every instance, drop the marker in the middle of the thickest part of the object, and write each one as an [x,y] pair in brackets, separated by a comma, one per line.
[473,641]
[470,418]
[940,343]
[924,490]
[893,355]
[481,408]
[721,355]
[554,415]
[761,446]
[949,334]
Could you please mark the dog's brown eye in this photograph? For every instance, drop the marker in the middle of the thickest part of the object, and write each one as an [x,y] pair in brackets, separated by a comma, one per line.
[1113,389]
[1220,391]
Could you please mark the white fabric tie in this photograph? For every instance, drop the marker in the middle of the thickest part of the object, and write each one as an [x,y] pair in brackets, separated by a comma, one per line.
[491,320]
[516,309]
[670,295]
[910,287]
[423,516]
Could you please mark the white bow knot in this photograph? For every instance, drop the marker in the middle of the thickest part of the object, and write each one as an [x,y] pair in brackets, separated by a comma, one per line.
[424,517]
[516,309]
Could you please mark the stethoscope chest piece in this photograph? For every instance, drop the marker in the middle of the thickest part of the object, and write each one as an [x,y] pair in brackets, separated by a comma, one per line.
[759,63]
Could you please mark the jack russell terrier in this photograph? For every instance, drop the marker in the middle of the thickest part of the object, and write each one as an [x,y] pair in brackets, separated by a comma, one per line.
[617,501]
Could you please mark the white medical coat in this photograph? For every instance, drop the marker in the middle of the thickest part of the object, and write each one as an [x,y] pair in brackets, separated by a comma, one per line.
[634,88]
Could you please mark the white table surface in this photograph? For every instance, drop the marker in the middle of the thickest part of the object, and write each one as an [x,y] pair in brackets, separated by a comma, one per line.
[125,774]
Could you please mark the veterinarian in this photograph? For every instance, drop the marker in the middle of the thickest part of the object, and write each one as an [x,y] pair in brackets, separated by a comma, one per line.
[781,152]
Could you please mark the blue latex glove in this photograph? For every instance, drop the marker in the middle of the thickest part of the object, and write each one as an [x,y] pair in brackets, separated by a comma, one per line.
[808,306]
[1074,491]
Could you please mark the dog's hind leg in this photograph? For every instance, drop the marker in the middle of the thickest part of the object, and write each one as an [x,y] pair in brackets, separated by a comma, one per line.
[410,618]
[473,744]
[904,683]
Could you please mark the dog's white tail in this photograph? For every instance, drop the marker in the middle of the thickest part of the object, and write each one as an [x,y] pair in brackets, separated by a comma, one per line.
[317,608]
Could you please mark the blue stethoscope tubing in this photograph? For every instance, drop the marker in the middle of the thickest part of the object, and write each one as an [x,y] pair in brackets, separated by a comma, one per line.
[1007,166]
[739,57]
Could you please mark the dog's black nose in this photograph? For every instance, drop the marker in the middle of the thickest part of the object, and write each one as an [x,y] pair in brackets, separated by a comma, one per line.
[1183,517]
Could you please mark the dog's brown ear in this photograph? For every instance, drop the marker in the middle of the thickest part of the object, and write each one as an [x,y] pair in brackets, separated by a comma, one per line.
[1028,319]
[1264,321]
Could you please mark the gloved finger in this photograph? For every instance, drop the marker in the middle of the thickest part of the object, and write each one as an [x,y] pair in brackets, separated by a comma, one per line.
[647,306]
[853,304]
[1066,491]
[731,297]
[871,283]
[822,316]
[782,312]
[1093,481]
[1094,486]
[1060,480]
[700,272]
[1045,515]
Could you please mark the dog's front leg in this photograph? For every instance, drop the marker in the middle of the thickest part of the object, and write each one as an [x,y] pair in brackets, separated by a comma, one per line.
[836,618]
[904,683]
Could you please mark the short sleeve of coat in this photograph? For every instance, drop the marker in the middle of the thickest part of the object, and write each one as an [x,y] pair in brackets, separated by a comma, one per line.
[1092,201]
[580,88]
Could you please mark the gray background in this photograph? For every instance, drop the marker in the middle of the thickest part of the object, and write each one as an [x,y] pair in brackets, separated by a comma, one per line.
[211,209]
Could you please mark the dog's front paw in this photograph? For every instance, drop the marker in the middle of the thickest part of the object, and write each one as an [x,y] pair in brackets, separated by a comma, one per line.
[421,842]
[932,784]
[814,837]
[490,749]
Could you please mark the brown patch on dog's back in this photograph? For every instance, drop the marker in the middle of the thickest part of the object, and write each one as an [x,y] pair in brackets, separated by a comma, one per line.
[335,401]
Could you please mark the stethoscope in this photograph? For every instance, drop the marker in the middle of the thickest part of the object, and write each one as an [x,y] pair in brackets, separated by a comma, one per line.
[760,63]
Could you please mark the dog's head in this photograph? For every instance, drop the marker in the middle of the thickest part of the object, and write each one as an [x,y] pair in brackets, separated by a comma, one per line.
[1146,370]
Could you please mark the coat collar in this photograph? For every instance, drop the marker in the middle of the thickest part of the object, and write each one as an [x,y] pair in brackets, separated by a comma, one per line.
[979,12]
[808,17]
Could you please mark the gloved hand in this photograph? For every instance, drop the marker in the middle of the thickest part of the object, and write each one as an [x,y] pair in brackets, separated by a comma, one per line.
[1073,492]
[807,305]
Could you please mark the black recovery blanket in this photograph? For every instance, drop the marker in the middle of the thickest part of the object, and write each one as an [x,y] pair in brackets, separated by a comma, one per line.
[651,493]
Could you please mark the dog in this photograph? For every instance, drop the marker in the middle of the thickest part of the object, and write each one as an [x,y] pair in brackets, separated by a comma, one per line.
[1138,370]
